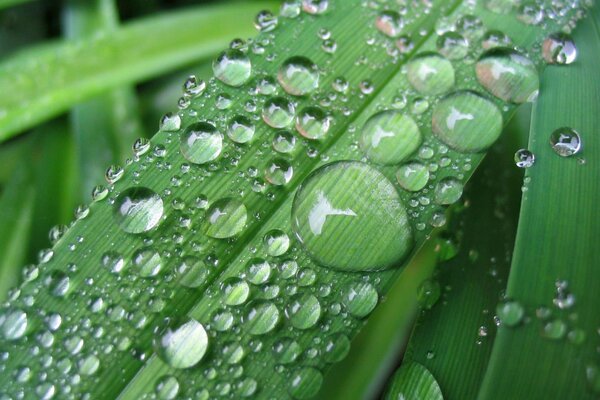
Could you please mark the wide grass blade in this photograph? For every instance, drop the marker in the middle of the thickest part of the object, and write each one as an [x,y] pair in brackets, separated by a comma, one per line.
[553,354]
[46,80]
[413,381]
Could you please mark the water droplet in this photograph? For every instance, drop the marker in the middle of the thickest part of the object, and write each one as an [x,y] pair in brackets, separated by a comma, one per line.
[13,324]
[315,6]
[192,272]
[261,317]
[258,271]
[390,23]
[89,365]
[305,382]
[276,242]
[298,76]
[554,329]
[323,211]
[286,350]
[284,142]
[510,313]
[278,112]
[453,45]
[279,172]
[336,347]
[265,21]
[428,293]
[559,48]
[167,388]
[233,352]
[290,9]
[225,218]
[222,320]
[235,291]
[430,74]
[303,311]
[592,374]
[181,345]
[466,122]
[448,191]
[389,137]
[565,141]
[360,298]
[508,75]
[313,123]
[58,283]
[413,176]
[530,14]
[147,261]
[201,143]
[232,67]
[138,209]
[241,129]
[524,158]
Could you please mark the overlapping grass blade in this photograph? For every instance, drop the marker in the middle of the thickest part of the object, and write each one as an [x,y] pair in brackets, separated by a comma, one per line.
[556,241]
[46,80]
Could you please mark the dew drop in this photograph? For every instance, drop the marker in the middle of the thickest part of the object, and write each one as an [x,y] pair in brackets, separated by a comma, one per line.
[225,218]
[279,172]
[232,67]
[298,76]
[13,324]
[466,122]
[524,158]
[448,191]
[265,21]
[430,74]
[286,350]
[191,272]
[559,48]
[276,242]
[258,271]
[368,203]
[305,382]
[315,7]
[313,123]
[278,112]
[241,129]
[147,262]
[138,209]
[389,137]
[303,311]
[167,388]
[261,317]
[360,298]
[389,23]
[508,75]
[235,291]
[181,345]
[201,143]
[452,45]
[510,313]
[565,141]
[413,176]
[284,142]
[336,347]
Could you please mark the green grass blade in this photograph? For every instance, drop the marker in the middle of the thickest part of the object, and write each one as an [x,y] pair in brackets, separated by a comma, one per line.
[114,288]
[10,3]
[16,215]
[556,241]
[47,80]
[109,122]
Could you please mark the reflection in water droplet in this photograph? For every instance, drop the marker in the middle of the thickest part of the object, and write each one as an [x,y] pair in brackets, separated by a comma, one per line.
[559,48]
[241,129]
[181,345]
[286,350]
[313,123]
[225,218]
[279,172]
[303,311]
[298,76]
[258,271]
[147,261]
[508,75]
[565,142]
[276,242]
[430,74]
[265,21]
[466,122]
[191,272]
[343,200]
[167,388]
[232,67]
[315,6]
[389,23]
[201,143]
[389,137]
[13,324]
[138,210]
[336,347]
[453,45]
[235,291]
[448,191]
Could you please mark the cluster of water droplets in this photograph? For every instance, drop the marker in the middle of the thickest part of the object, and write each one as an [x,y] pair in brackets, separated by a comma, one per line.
[192,288]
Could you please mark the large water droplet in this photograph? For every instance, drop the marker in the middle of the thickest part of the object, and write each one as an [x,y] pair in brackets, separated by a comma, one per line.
[147,261]
[448,191]
[467,122]
[389,137]
[278,112]
[298,76]
[559,48]
[431,74]
[276,242]
[235,291]
[343,208]
[305,383]
[241,129]
[201,143]
[389,23]
[313,123]
[13,324]
[232,67]
[191,272]
[508,75]
[360,298]
[181,345]
[286,350]
[167,388]
[138,210]
[225,218]
[565,141]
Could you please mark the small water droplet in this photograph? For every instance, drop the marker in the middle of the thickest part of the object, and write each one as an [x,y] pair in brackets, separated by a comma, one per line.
[261,317]
[390,23]
[277,242]
[313,123]
[305,382]
[241,129]
[232,67]
[181,345]
[279,172]
[559,48]
[413,176]
[389,137]
[138,210]
[298,76]
[265,21]
[430,74]
[360,298]
[510,312]
[524,158]
[565,141]
[303,311]
[448,191]
[278,112]
[201,143]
